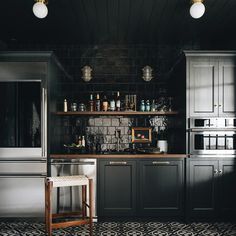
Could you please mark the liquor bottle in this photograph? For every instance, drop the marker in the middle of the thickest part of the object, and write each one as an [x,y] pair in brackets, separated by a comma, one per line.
[118,101]
[153,106]
[112,103]
[83,142]
[91,103]
[105,103]
[98,103]
[65,106]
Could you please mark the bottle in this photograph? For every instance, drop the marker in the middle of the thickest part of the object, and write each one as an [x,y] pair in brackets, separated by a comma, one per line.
[147,107]
[91,103]
[98,103]
[65,106]
[153,106]
[118,101]
[112,103]
[79,141]
[142,106]
[83,141]
[105,103]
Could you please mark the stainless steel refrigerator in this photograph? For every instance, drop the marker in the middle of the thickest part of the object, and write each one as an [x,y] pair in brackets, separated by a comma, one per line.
[25,107]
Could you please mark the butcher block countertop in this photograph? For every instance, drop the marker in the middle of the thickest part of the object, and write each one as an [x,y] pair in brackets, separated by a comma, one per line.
[121,156]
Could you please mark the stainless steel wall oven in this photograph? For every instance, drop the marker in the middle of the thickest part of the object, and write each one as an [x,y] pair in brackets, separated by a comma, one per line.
[216,136]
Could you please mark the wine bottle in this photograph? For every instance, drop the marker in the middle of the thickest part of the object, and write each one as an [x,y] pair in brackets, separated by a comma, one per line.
[105,103]
[118,105]
[112,103]
[91,103]
[98,103]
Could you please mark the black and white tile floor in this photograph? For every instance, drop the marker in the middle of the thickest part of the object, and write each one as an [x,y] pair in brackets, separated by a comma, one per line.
[121,228]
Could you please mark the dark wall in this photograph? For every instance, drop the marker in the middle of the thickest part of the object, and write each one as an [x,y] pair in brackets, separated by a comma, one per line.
[119,68]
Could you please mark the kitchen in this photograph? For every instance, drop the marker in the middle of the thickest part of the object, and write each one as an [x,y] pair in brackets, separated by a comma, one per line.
[150,117]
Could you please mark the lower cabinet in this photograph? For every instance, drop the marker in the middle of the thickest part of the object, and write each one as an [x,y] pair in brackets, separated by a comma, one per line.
[140,187]
[116,188]
[210,187]
[161,187]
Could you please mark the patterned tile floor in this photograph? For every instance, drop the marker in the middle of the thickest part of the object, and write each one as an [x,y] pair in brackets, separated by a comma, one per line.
[137,227]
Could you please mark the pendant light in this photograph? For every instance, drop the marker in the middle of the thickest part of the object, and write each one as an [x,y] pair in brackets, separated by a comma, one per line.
[40,9]
[197,9]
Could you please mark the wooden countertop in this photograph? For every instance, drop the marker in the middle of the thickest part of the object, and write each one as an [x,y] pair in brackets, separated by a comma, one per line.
[121,156]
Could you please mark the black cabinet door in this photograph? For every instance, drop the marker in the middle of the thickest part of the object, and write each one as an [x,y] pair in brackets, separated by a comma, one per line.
[161,187]
[202,188]
[227,189]
[117,188]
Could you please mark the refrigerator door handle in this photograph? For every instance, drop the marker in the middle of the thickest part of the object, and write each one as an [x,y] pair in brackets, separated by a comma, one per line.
[43,160]
[29,175]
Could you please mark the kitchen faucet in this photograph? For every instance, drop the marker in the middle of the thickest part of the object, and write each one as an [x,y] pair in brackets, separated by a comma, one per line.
[118,134]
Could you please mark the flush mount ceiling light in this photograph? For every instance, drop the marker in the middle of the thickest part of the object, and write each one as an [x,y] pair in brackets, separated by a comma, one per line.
[197,9]
[40,9]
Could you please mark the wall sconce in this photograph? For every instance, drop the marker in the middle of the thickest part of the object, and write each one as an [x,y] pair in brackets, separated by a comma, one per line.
[86,73]
[40,9]
[197,9]
[147,73]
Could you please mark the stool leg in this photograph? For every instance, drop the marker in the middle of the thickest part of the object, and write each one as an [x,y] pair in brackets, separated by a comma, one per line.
[49,208]
[91,206]
[83,201]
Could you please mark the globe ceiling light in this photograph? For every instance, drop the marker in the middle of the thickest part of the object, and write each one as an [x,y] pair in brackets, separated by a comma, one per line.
[40,9]
[197,10]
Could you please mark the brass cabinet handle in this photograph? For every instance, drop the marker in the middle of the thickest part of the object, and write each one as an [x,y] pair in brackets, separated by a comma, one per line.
[160,162]
[118,163]
[215,105]
[220,105]
[220,172]
[216,171]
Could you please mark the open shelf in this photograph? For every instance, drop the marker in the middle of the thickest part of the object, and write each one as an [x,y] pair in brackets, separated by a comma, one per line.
[115,113]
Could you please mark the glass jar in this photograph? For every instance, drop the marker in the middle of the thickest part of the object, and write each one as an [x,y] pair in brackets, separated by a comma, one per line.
[73,106]
[82,107]
[142,105]
[147,107]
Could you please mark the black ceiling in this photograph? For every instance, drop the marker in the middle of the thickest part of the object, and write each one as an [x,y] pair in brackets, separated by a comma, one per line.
[116,21]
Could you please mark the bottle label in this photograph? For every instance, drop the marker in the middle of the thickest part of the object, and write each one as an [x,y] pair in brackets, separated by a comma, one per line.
[112,105]
[118,104]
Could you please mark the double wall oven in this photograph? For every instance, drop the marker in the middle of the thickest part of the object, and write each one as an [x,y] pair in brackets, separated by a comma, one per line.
[212,136]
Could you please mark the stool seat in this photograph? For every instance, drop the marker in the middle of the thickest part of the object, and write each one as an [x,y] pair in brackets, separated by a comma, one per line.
[66,181]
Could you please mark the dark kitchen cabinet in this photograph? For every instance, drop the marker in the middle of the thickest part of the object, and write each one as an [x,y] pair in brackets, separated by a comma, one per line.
[117,187]
[161,187]
[211,84]
[201,187]
[227,190]
[153,187]
[210,187]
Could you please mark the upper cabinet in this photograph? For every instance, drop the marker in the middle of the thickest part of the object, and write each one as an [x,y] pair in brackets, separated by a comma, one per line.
[210,84]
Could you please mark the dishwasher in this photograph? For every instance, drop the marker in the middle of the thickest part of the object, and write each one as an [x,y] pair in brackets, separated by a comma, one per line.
[69,198]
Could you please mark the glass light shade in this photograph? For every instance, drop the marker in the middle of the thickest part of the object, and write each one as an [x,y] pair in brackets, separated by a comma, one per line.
[40,10]
[197,10]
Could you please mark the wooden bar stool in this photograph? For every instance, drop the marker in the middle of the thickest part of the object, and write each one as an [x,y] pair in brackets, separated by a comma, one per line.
[68,181]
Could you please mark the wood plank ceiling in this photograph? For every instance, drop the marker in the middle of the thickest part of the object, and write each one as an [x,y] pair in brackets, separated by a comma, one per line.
[117,21]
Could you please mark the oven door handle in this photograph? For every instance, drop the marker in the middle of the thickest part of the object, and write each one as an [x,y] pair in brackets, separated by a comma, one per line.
[212,129]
